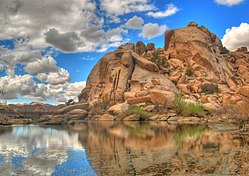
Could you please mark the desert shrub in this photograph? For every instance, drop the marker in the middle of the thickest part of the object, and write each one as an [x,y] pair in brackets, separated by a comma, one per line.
[187,109]
[70,102]
[174,82]
[209,88]
[238,113]
[161,109]
[159,60]
[189,72]
[224,50]
[136,110]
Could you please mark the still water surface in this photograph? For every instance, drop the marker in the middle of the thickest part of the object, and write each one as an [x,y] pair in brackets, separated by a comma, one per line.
[108,148]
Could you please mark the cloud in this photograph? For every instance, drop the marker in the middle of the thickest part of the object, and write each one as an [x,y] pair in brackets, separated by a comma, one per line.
[151,30]
[70,26]
[121,7]
[17,86]
[229,2]
[43,65]
[236,37]
[25,86]
[54,78]
[171,10]
[135,23]
[67,42]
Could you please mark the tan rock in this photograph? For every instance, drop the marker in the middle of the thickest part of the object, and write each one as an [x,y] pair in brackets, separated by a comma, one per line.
[133,117]
[141,93]
[155,81]
[242,49]
[137,100]
[231,84]
[175,63]
[211,107]
[140,48]
[128,95]
[150,46]
[204,99]
[149,108]
[184,88]
[192,24]
[118,108]
[194,85]
[107,117]
[144,63]
[161,97]
[225,99]
[244,90]
[83,106]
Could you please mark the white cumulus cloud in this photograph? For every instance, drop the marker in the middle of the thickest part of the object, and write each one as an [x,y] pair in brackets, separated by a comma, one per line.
[151,30]
[135,23]
[121,7]
[54,78]
[236,37]
[43,65]
[229,2]
[171,10]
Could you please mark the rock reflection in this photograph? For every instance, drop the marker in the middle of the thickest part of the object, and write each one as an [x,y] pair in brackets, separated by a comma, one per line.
[162,149]
[109,148]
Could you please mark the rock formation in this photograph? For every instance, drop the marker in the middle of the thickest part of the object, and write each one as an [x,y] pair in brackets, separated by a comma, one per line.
[192,59]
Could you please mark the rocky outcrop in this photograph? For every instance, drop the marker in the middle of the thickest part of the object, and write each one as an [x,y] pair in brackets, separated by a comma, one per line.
[192,62]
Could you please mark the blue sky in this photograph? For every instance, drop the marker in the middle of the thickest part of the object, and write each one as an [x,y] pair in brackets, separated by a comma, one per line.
[47,49]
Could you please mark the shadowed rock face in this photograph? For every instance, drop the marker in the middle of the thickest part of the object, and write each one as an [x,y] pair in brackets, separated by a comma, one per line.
[191,58]
[160,148]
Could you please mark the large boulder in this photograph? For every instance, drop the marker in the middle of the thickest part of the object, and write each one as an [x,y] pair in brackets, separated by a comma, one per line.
[161,96]
[83,106]
[140,48]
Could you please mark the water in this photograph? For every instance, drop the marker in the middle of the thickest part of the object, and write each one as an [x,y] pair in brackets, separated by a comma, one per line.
[109,148]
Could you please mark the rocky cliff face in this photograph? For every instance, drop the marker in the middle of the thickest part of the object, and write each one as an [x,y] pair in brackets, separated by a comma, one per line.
[193,58]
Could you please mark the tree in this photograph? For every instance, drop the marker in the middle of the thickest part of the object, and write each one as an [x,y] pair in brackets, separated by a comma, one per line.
[70,102]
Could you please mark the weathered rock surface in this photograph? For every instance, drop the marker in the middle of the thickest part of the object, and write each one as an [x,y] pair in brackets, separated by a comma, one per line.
[190,61]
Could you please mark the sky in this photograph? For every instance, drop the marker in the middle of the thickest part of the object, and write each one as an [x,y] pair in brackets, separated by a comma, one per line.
[48,48]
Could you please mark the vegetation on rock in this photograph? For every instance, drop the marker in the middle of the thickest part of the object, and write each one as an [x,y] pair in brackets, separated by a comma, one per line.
[209,88]
[187,109]
[138,111]
[158,59]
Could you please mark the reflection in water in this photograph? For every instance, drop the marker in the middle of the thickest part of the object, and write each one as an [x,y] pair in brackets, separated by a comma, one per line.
[32,150]
[109,148]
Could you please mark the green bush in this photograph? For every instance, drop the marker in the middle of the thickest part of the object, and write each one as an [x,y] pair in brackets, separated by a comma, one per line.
[189,72]
[70,102]
[224,50]
[159,60]
[136,110]
[209,88]
[187,109]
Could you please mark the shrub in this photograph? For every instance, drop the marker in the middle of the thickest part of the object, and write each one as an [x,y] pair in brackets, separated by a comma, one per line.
[239,114]
[209,88]
[159,60]
[70,102]
[189,72]
[174,81]
[161,109]
[187,109]
[224,50]
[136,110]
